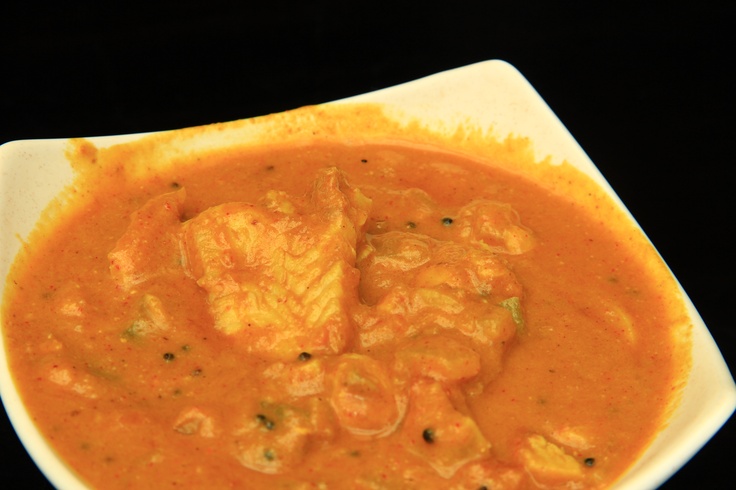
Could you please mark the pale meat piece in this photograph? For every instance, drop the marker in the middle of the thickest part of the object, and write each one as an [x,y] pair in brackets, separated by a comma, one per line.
[416,284]
[549,463]
[438,433]
[276,438]
[494,226]
[280,274]
[150,245]
[439,357]
[193,421]
[483,223]
[151,318]
[363,397]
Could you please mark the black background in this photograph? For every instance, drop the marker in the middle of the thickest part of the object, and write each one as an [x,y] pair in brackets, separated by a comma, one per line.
[645,89]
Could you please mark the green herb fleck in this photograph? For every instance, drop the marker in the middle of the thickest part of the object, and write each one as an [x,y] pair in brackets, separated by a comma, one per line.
[134,331]
[514,306]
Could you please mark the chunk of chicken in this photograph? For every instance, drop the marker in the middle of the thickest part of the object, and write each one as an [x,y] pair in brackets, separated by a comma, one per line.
[275,437]
[194,421]
[363,397]
[419,261]
[150,246]
[439,357]
[548,462]
[152,317]
[495,226]
[280,274]
[296,379]
[440,434]
[419,284]
[482,223]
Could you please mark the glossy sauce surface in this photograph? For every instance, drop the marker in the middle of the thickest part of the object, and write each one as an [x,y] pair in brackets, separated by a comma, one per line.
[483,332]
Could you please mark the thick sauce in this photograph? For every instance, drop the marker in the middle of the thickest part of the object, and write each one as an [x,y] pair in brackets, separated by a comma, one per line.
[477,331]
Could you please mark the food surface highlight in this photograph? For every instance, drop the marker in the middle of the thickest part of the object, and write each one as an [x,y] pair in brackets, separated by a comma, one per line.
[333,315]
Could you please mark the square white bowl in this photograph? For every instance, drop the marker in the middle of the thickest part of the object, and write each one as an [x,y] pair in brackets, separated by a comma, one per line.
[490,94]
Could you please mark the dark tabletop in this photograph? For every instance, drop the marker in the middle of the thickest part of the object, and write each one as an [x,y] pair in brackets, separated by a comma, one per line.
[645,90]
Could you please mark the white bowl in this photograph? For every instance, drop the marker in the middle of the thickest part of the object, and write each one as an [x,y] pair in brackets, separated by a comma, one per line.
[491,94]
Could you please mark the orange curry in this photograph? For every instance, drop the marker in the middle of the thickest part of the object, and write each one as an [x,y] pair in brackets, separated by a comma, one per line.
[340,315]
